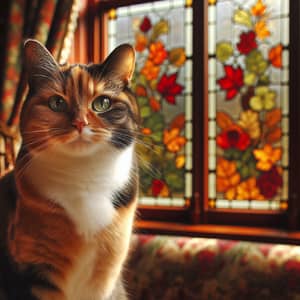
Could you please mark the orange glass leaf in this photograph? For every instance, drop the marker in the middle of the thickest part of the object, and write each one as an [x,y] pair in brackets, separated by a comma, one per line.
[248,190]
[258,9]
[140,91]
[146,131]
[262,30]
[267,157]
[275,56]
[141,42]
[150,70]
[178,122]
[173,141]
[224,121]
[274,135]
[157,53]
[227,176]
[154,104]
[273,117]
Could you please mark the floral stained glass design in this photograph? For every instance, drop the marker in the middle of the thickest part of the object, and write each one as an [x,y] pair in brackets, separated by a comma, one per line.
[248,104]
[161,34]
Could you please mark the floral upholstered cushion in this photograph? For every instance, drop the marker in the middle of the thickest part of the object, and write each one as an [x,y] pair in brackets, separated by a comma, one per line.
[168,268]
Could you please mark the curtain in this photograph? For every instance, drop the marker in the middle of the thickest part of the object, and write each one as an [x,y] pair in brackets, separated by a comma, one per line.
[52,22]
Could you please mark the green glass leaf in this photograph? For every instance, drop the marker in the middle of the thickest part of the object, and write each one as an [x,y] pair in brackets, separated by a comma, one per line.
[145,180]
[244,172]
[264,80]
[243,17]
[142,101]
[157,136]
[256,63]
[232,154]
[159,28]
[247,155]
[175,181]
[145,111]
[155,123]
[142,80]
[224,51]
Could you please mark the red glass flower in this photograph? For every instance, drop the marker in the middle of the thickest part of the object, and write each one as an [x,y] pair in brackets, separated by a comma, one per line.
[269,182]
[233,137]
[146,25]
[247,42]
[169,88]
[232,81]
[157,186]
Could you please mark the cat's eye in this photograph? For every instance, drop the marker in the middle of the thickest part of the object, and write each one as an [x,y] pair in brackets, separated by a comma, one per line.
[101,104]
[57,104]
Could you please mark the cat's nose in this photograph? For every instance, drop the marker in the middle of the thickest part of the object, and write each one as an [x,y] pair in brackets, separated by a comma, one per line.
[79,123]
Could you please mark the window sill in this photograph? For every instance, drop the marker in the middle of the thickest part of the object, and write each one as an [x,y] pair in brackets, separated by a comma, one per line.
[265,235]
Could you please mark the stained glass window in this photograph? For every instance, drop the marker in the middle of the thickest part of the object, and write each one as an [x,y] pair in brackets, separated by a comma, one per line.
[161,33]
[248,104]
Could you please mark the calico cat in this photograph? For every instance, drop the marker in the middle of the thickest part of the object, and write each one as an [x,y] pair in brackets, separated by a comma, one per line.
[67,209]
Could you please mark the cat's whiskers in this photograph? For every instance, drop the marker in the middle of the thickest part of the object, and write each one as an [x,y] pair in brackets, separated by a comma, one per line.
[41,140]
[44,130]
[39,146]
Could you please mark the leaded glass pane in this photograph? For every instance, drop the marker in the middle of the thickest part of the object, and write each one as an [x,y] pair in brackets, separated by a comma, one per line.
[248,79]
[161,32]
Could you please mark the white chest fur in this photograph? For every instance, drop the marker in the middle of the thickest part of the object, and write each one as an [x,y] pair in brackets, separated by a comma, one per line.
[83,185]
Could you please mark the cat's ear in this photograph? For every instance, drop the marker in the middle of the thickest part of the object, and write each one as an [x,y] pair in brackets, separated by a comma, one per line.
[120,63]
[39,64]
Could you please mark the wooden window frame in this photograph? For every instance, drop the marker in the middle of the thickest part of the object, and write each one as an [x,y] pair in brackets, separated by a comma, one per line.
[198,219]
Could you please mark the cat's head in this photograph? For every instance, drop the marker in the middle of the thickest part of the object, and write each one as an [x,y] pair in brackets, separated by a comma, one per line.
[78,109]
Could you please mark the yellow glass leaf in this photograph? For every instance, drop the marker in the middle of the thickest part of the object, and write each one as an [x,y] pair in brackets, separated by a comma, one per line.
[242,17]
[250,122]
[180,161]
[112,14]
[269,100]
[230,193]
[250,79]
[267,157]
[256,103]
[188,3]
[261,90]
[177,57]
[224,51]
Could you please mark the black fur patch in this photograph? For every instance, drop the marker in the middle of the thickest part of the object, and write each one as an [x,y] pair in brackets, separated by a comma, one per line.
[126,195]
[122,138]
[17,284]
